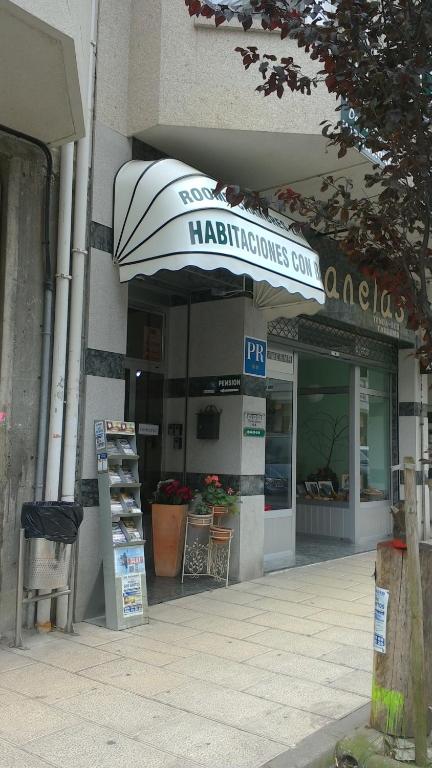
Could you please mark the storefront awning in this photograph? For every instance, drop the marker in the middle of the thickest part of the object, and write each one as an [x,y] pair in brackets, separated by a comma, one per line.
[166,217]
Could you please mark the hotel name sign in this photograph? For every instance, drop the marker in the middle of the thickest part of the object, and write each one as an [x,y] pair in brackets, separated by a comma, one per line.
[361,302]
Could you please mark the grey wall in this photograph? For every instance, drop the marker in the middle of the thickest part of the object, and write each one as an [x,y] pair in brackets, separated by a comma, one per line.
[103,358]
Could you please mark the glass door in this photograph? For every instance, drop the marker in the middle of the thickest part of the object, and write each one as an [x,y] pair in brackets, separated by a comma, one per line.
[280,460]
[279,443]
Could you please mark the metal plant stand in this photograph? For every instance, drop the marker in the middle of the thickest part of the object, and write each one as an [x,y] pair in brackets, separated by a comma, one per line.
[205,553]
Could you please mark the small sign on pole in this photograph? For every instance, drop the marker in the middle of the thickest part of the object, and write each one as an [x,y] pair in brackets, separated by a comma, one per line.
[380,628]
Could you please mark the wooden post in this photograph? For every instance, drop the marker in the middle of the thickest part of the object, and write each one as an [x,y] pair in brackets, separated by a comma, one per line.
[415,601]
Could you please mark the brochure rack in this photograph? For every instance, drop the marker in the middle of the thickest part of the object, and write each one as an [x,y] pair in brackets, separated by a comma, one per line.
[121,525]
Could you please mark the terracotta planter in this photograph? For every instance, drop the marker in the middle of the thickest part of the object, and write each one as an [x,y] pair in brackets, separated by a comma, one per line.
[200,521]
[168,524]
[221,535]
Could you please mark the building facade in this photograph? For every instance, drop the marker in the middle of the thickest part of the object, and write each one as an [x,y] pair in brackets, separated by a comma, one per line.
[341,399]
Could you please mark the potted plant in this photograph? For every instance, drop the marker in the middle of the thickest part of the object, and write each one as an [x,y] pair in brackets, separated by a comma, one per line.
[222,501]
[169,510]
[199,514]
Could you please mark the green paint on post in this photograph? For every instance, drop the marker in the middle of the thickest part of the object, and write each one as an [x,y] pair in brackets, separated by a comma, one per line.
[393,702]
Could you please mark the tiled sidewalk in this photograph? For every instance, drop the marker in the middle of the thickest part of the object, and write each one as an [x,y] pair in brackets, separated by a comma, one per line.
[223,679]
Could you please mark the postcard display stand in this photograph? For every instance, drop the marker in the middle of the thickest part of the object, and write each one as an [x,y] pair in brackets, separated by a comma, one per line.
[121,525]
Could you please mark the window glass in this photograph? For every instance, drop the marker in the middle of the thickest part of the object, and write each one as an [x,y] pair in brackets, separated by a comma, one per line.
[145,335]
[374,446]
[374,378]
[323,428]
[278,449]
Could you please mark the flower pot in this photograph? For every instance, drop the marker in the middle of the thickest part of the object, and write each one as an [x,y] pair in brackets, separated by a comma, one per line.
[200,521]
[168,524]
[220,535]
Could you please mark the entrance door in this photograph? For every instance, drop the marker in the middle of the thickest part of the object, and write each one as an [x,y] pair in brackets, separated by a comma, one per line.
[144,404]
[279,515]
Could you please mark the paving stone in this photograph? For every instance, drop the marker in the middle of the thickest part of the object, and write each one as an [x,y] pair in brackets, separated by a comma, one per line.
[284,606]
[59,653]
[290,623]
[287,725]
[161,631]
[357,658]
[90,745]
[320,699]
[9,660]
[340,606]
[26,719]
[268,590]
[173,614]
[89,634]
[288,641]
[135,676]
[303,667]
[230,674]
[119,710]
[217,703]
[13,757]
[173,647]
[356,682]
[355,637]
[230,595]
[219,608]
[210,743]
[342,619]
[227,627]
[132,647]
[225,647]
[44,682]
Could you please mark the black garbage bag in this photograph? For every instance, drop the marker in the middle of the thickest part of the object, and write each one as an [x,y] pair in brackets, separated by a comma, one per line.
[52,520]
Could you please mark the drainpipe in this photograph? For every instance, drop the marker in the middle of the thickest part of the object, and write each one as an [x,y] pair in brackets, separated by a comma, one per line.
[79,253]
[52,480]
[55,432]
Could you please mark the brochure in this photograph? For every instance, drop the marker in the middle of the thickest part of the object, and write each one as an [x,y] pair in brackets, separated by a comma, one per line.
[118,535]
[130,529]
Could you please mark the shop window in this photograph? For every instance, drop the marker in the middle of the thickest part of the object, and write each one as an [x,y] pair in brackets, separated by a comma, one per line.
[374,435]
[323,429]
[145,335]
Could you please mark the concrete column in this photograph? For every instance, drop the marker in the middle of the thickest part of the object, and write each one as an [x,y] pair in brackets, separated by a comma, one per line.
[216,350]
[103,359]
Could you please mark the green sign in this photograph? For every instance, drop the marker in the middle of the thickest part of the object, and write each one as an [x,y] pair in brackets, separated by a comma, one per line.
[253,432]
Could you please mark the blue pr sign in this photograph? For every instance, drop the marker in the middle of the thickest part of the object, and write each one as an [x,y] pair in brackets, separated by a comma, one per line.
[255,356]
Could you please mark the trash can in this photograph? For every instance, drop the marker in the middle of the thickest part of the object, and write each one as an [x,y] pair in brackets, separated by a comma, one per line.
[51,528]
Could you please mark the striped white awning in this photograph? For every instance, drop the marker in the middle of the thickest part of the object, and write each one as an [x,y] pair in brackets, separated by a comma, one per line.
[166,217]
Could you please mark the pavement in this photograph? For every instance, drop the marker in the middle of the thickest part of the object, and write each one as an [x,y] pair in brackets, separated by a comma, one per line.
[233,678]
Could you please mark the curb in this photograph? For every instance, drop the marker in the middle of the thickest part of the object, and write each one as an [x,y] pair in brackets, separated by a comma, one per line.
[318,749]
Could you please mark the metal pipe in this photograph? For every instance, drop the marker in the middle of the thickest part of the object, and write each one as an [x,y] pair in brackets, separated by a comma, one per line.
[187,379]
[79,253]
[55,432]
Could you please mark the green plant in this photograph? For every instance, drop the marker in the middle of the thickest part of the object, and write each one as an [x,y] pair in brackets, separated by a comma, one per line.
[198,506]
[215,495]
